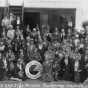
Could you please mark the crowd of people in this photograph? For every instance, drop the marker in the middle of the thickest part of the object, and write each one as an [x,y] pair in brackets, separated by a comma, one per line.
[63,54]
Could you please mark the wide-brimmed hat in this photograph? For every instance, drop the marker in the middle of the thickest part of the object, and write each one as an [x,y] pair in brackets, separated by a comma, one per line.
[10,26]
[85,23]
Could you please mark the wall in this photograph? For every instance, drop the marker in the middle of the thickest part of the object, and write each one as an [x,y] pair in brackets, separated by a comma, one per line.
[81,13]
[3,3]
[51,3]
[59,4]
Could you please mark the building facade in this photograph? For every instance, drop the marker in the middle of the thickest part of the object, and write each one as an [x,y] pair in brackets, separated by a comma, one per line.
[80,7]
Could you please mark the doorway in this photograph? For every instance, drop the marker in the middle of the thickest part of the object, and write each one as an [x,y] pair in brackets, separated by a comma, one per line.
[31,18]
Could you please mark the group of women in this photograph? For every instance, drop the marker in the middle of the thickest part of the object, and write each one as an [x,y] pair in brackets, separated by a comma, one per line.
[62,54]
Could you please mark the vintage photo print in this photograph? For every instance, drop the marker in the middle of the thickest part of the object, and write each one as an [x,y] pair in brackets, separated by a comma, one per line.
[43,44]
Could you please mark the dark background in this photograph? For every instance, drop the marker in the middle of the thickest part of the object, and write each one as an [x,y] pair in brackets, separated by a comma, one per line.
[53,17]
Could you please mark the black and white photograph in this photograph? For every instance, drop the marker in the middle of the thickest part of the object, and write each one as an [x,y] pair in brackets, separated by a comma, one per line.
[43,43]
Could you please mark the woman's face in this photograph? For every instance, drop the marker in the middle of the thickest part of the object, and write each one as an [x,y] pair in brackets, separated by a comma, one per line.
[0,55]
[62,30]
[28,39]
[77,42]
[11,16]
[70,24]
[17,27]
[56,29]
[32,42]
[1,43]
[9,51]
[86,28]
[21,52]
[18,18]
[69,30]
[27,28]
[28,44]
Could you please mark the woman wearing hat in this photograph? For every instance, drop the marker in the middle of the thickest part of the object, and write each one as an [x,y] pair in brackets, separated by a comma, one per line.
[85,56]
